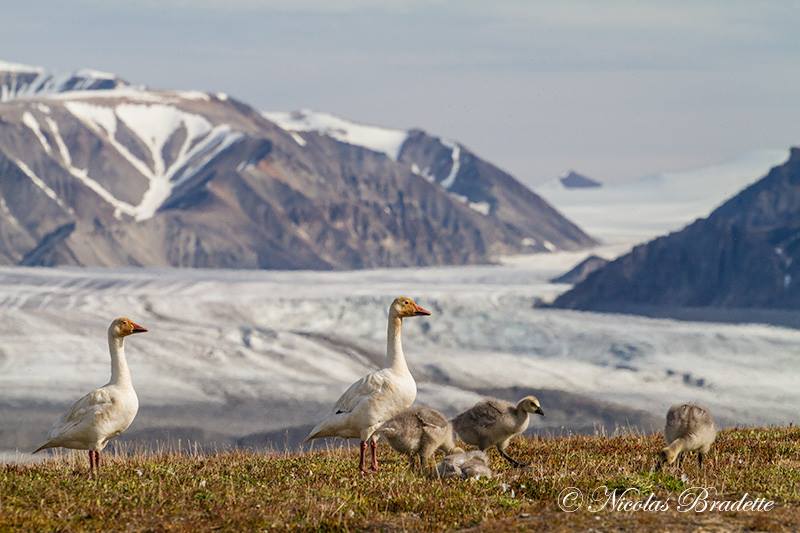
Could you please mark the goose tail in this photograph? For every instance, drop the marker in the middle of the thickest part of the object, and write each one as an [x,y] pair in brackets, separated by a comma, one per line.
[42,447]
[318,432]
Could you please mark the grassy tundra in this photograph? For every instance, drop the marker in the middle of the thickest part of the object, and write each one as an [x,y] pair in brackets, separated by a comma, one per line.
[239,490]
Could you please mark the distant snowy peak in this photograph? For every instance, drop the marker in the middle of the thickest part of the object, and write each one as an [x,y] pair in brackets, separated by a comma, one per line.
[18,81]
[443,170]
[573,180]
[384,140]
[465,177]
[6,66]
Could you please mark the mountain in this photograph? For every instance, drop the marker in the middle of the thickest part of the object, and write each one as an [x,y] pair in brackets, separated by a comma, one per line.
[745,254]
[637,210]
[573,180]
[581,271]
[18,81]
[98,172]
[467,178]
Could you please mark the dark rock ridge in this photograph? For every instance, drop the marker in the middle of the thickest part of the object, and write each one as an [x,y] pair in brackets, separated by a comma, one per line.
[746,254]
[573,180]
[581,271]
[96,172]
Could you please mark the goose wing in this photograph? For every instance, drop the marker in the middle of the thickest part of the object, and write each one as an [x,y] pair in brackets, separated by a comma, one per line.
[373,384]
[352,412]
[430,417]
[484,414]
[88,411]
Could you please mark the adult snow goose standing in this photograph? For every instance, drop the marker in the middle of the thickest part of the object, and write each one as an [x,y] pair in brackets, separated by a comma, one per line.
[378,396]
[106,412]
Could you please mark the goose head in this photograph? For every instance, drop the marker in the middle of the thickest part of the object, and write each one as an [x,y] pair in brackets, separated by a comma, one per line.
[530,404]
[404,307]
[122,327]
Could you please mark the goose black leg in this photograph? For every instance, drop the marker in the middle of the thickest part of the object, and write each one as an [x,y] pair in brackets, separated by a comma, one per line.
[514,462]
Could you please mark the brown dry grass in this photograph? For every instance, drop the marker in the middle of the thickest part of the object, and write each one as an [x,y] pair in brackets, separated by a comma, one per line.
[242,491]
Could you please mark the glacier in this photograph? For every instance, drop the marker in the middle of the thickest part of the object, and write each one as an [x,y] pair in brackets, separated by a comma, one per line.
[242,352]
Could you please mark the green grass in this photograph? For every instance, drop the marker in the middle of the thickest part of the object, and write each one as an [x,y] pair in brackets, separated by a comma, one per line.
[240,490]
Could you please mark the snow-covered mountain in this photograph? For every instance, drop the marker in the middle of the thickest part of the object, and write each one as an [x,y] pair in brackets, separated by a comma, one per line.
[384,140]
[98,172]
[465,177]
[18,81]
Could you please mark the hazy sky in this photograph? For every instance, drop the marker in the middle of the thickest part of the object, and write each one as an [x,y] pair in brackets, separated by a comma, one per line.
[612,89]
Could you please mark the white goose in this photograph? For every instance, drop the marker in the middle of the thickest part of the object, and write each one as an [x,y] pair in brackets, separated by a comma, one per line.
[378,396]
[104,413]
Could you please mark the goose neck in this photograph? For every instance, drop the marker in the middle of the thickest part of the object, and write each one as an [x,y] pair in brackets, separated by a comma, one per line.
[394,347]
[120,374]
[520,413]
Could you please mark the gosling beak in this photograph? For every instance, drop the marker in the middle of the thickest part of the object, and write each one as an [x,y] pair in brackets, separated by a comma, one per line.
[421,311]
[138,329]
[539,411]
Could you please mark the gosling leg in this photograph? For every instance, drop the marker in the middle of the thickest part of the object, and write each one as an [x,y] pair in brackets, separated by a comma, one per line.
[514,462]
[426,452]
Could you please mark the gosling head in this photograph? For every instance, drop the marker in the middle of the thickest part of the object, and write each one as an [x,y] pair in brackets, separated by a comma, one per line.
[667,456]
[122,327]
[530,404]
[404,307]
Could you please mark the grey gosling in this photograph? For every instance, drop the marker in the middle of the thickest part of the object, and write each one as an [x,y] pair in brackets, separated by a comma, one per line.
[418,432]
[493,422]
[689,428]
[465,465]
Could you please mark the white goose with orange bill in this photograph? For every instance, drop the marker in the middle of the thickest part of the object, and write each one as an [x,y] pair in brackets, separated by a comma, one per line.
[378,396]
[106,412]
